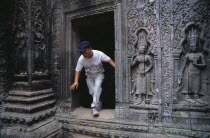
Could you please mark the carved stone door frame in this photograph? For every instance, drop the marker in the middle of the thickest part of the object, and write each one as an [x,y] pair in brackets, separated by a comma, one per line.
[70,53]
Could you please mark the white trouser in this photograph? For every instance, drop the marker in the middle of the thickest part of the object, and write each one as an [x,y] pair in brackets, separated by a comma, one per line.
[94,85]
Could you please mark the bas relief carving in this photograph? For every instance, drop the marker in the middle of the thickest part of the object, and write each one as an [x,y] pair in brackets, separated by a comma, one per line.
[20,38]
[39,38]
[193,72]
[142,68]
[40,47]
[21,50]
[141,21]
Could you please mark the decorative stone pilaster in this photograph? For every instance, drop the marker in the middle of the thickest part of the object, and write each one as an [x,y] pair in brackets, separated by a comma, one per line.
[166,42]
[143,67]
[57,28]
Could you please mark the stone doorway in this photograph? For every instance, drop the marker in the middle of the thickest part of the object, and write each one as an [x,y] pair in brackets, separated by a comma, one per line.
[99,30]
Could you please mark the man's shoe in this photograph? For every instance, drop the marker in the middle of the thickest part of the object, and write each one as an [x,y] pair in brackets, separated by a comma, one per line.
[95,112]
[99,106]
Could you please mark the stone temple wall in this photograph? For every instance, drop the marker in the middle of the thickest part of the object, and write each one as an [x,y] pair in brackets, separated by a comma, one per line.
[162,74]
[162,60]
[170,36]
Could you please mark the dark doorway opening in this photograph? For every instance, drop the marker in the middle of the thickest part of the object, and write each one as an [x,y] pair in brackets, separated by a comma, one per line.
[99,30]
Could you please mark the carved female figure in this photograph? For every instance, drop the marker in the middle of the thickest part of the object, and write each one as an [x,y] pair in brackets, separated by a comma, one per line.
[190,74]
[142,83]
[21,39]
[21,50]
[40,52]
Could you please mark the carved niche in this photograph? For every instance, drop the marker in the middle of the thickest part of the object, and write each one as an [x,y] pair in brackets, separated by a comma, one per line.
[142,70]
[188,13]
[141,51]
[193,74]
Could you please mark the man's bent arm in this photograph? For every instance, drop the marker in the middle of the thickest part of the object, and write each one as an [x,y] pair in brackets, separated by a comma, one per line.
[76,77]
[111,62]
[76,81]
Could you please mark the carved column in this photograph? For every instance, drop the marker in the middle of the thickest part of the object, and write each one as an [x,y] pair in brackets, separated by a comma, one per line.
[176,75]
[57,23]
[30,99]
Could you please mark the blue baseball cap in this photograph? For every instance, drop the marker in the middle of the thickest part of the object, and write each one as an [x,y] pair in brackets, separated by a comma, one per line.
[84,45]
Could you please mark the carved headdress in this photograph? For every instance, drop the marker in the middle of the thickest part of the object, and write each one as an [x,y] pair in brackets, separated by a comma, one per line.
[141,36]
[193,36]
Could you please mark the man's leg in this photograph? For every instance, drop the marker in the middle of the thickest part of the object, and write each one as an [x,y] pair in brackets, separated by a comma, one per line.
[97,90]
[94,86]
[91,84]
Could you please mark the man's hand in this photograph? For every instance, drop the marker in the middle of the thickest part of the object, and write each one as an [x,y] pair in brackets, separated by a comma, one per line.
[74,85]
[76,78]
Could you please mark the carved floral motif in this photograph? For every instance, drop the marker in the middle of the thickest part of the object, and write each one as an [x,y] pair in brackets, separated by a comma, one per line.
[141,14]
[186,11]
[75,4]
[165,10]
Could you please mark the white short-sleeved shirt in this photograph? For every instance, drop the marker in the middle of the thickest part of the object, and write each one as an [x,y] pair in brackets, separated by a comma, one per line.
[92,65]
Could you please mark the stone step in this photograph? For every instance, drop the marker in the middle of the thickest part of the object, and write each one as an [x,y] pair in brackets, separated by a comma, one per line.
[115,130]
[23,118]
[26,108]
[30,93]
[36,85]
[19,77]
[28,100]
[102,124]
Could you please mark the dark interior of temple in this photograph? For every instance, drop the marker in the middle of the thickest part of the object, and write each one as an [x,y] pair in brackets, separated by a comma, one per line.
[99,30]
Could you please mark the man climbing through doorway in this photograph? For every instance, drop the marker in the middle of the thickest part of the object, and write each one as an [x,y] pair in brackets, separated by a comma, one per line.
[91,60]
